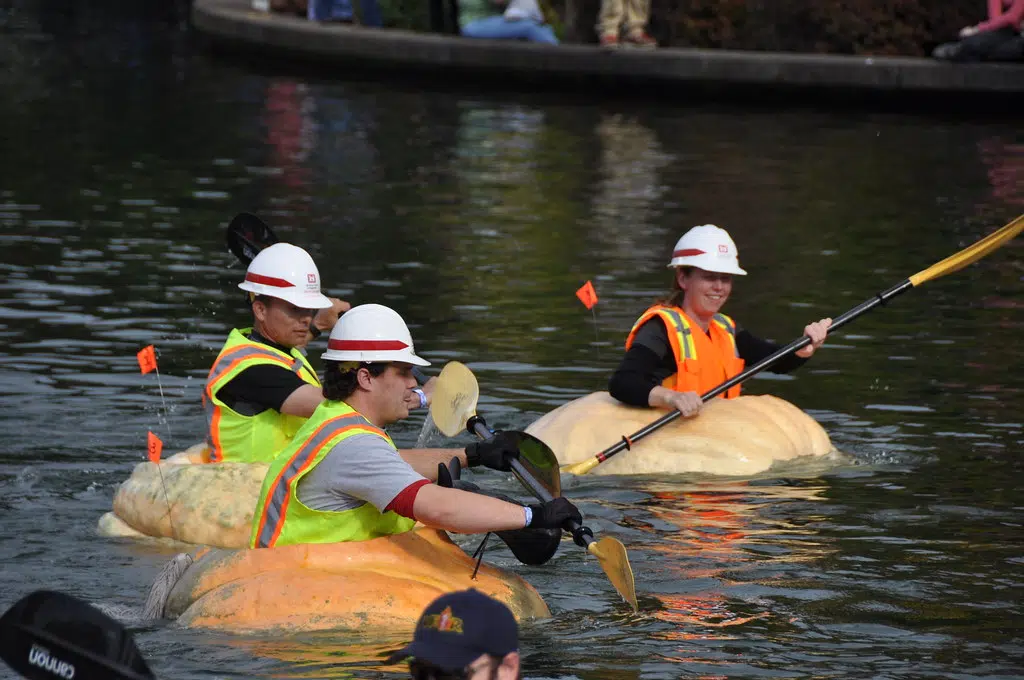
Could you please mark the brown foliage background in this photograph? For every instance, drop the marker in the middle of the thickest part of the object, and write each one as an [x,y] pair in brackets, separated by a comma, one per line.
[907,27]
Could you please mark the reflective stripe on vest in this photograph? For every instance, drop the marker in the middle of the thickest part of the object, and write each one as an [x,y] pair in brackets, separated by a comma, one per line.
[249,438]
[684,349]
[681,327]
[729,326]
[272,519]
[282,519]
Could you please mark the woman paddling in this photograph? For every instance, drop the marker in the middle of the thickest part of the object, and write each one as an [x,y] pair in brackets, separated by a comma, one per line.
[683,346]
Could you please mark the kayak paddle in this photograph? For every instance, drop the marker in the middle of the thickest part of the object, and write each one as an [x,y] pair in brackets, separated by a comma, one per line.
[453,407]
[949,265]
[529,545]
[48,635]
[247,235]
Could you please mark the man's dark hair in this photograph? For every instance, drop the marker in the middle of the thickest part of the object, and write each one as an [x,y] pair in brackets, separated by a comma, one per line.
[340,378]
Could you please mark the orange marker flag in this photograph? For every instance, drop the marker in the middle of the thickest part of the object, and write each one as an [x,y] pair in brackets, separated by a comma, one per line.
[154,447]
[587,295]
[147,359]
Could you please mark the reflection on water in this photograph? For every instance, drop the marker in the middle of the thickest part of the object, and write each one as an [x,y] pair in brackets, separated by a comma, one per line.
[630,190]
[1004,160]
[721,531]
[126,152]
[322,655]
[291,136]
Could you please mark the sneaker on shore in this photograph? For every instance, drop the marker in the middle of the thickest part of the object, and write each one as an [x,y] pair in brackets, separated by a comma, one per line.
[641,39]
[610,40]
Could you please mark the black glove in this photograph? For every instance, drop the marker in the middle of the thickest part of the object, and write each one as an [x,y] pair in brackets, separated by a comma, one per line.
[554,514]
[495,453]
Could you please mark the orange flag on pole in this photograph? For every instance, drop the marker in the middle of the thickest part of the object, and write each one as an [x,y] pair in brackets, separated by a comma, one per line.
[587,295]
[154,447]
[147,359]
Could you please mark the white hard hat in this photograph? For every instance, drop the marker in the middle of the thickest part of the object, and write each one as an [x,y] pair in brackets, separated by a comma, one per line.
[287,272]
[371,333]
[708,247]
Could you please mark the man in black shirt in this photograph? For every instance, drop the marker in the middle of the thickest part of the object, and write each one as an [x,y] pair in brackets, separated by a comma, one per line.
[261,387]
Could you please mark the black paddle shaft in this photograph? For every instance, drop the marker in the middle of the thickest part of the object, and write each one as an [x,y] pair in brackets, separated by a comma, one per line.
[581,535]
[800,343]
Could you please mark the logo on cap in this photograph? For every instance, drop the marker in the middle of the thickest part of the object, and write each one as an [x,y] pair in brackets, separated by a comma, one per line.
[723,249]
[311,278]
[446,622]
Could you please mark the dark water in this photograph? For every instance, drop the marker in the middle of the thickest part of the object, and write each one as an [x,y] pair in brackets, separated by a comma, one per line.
[124,151]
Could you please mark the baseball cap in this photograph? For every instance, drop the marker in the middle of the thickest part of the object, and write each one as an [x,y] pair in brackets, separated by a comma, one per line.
[458,628]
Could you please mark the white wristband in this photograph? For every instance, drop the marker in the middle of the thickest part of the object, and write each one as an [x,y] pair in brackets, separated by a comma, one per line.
[528,514]
[423,396]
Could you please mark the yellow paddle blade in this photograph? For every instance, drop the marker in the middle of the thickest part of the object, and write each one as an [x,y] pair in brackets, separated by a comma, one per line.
[611,555]
[970,254]
[581,468]
[453,401]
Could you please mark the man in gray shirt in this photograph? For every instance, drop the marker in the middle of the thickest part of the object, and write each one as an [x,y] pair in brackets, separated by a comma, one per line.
[363,468]
[348,480]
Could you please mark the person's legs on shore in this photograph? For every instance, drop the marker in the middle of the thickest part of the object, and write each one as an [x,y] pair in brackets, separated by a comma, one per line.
[609,22]
[498,28]
[330,10]
[538,33]
[638,13]
[370,14]
[1009,49]
[999,45]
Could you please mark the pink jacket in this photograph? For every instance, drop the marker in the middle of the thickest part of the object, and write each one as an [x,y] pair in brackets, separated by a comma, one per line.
[997,18]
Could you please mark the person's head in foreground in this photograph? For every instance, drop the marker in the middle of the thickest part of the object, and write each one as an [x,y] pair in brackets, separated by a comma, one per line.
[465,635]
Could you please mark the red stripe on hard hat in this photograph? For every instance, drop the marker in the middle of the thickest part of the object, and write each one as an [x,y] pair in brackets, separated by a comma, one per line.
[688,252]
[269,281]
[357,345]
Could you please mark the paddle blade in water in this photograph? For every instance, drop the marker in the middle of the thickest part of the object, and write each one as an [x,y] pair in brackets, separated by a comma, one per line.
[611,554]
[537,469]
[454,399]
[48,635]
[970,254]
[539,460]
[532,546]
[247,235]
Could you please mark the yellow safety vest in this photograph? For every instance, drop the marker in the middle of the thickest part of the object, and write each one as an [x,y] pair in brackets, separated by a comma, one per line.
[237,438]
[282,519]
[718,354]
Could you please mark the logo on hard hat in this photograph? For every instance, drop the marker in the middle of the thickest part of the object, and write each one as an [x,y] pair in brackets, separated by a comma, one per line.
[312,286]
[723,249]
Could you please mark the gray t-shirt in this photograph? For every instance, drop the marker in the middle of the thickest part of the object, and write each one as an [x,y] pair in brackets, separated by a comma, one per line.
[361,469]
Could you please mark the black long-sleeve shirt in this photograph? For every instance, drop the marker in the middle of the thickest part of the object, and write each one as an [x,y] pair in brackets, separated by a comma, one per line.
[650,360]
[261,387]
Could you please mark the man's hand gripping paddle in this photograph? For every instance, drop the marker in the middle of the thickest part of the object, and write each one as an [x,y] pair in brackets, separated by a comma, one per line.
[453,407]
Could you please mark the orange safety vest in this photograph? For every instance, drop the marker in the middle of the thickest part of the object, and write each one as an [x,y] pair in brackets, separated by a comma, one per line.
[703,361]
